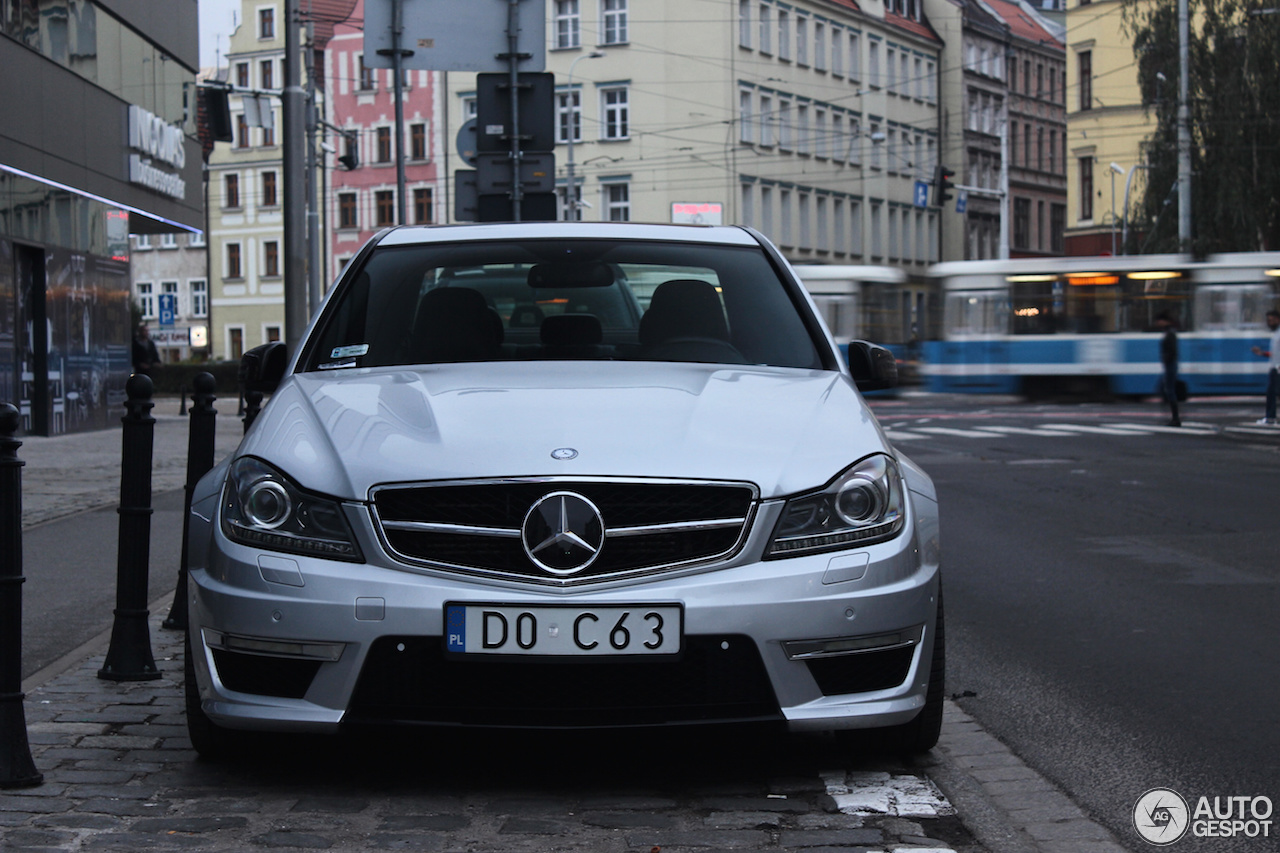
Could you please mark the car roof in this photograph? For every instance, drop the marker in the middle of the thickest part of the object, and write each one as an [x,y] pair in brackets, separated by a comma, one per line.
[413,235]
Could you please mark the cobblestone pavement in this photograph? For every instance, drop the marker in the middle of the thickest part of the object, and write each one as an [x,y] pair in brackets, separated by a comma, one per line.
[120,774]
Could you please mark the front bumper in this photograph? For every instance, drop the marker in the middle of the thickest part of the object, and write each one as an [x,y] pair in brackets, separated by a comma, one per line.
[304,644]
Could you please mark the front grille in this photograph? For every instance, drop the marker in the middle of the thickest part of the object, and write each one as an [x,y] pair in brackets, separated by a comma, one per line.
[412,680]
[862,672]
[476,527]
[264,675]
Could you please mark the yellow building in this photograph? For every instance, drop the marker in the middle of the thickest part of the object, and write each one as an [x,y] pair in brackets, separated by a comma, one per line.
[1106,127]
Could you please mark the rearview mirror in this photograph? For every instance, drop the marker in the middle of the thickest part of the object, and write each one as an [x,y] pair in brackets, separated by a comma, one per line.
[874,368]
[262,368]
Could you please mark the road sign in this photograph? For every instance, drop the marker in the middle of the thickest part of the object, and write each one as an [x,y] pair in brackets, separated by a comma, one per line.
[455,35]
[537,112]
[922,194]
[168,304]
[962,202]
[537,173]
[467,142]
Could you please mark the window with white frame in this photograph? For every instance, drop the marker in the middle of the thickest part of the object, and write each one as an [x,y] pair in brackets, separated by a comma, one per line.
[802,40]
[806,227]
[615,119]
[918,66]
[267,23]
[234,266]
[569,209]
[784,216]
[569,116]
[199,288]
[877,236]
[141,242]
[195,239]
[748,205]
[146,299]
[784,125]
[875,147]
[853,152]
[873,61]
[837,225]
[568,24]
[837,51]
[802,129]
[767,121]
[784,34]
[168,241]
[746,129]
[766,28]
[821,140]
[613,24]
[855,56]
[766,211]
[837,145]
[468,107]
[744,23]
[904,74]
[890,78]
[819,46]
[617,201]
[855,227]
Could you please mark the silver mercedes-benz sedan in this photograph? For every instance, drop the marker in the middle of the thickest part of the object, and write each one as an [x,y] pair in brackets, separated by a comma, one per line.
[565,475]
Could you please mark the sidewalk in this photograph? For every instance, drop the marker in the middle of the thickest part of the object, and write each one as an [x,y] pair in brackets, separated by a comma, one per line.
[66,474]
[120,774]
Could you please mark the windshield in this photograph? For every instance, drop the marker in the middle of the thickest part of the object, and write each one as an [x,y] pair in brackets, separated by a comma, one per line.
[558,299]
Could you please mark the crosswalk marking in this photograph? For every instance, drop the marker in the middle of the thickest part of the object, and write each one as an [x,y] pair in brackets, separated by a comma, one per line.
[912,432]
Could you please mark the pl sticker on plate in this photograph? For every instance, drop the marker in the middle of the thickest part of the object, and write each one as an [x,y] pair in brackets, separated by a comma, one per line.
[349,351]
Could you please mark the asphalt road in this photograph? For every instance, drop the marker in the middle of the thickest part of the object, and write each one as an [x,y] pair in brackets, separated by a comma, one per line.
[1113,600]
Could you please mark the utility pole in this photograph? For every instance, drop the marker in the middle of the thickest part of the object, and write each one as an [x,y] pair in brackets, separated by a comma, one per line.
[294,137]
[313,208]
[1184,129]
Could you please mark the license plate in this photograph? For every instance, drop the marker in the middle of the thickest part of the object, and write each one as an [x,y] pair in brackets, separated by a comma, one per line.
[504,629]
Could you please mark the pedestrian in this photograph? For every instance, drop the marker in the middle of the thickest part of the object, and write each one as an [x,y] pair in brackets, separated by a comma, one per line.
[1169,360]
[1273,368]
[145,355]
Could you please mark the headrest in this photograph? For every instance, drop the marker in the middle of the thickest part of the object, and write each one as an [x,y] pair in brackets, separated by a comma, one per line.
[571,330]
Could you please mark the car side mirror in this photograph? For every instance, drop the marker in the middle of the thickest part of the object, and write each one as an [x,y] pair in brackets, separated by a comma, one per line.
[874,368]
[262,368]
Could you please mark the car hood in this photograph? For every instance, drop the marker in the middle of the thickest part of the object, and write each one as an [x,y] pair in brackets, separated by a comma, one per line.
[344,432]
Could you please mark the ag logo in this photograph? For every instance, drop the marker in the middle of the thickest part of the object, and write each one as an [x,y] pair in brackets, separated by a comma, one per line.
[1161,816]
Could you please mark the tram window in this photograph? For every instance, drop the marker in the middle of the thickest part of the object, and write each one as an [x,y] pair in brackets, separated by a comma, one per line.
[1035,308]
[976,312]
[1228,307]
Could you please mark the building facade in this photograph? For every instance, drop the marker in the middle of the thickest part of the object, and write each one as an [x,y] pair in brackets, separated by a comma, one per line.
[1003,128]
[246,175]
[1107,126]
[97,142]
[361,104]
[171,290]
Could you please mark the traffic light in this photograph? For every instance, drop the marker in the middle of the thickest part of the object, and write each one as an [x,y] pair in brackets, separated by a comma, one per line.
[942,185]
[350,157]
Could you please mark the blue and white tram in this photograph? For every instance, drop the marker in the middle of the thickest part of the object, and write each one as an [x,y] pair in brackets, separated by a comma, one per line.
[1086,325]
[874,303]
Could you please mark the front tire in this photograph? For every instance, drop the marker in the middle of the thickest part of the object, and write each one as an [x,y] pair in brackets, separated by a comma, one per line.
[921,734]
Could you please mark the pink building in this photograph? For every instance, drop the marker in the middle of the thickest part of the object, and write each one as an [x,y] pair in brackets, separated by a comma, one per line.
[362,100]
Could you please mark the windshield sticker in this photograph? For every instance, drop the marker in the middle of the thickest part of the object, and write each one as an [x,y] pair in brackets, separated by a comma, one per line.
[349,351]
[337,365]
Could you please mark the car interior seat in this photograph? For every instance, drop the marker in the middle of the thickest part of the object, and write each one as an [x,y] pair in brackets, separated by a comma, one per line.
[455,324]
[685,322]
[573,336]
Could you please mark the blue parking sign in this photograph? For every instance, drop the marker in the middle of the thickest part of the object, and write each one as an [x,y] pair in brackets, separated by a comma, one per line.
[168,308]
[922,194]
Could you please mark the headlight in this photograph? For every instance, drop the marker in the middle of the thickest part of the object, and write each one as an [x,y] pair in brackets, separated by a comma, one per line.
[863,505]
[263,508]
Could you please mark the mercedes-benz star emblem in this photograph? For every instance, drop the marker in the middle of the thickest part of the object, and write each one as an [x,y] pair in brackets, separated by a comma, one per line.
[564,453]
[562,533]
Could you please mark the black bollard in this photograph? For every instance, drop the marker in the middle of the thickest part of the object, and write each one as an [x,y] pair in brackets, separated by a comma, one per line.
[182,407]
[129,656]
[17,770]
[200,451]
[252,406]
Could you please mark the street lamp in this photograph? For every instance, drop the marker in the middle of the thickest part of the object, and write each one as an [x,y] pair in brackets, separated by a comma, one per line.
[1116,169]
[572,132]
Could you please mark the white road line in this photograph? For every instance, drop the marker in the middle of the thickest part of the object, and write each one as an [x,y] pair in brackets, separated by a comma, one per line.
[1089,429]
[1254,430]
[962,433]
[1027,431]
[1185,429]
[899,435]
